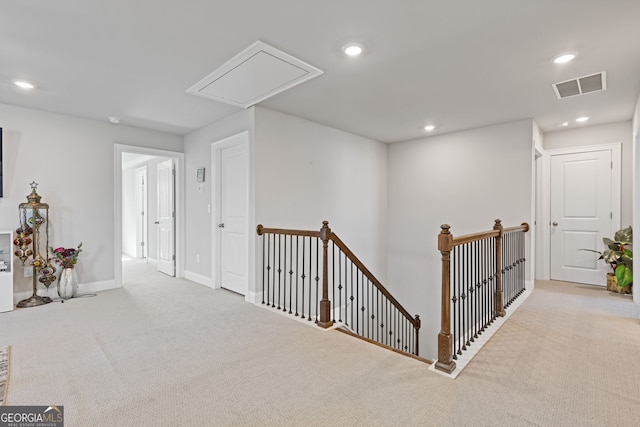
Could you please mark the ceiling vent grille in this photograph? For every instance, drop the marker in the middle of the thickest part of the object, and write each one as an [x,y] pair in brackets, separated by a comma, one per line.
[581,85]
[255,74]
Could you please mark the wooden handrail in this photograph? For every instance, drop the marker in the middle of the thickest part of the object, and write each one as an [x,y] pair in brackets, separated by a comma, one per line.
[523,227]
[307,233]
[469,238]
[340,244]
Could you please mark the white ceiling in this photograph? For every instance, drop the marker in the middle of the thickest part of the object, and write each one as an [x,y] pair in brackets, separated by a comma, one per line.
[458,64]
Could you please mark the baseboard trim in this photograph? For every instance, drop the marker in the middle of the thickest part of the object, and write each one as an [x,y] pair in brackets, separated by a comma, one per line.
[253,297]
[83,288]
[198,278]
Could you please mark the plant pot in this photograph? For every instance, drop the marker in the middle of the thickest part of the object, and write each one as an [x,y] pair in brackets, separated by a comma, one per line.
[612,285]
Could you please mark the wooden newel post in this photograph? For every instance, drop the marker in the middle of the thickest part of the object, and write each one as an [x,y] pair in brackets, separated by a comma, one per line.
[499,301]
[325,305]
[445,341]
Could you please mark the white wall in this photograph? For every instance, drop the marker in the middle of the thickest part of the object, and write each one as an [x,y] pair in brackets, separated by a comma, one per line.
[129,211]
[197,151]
[73,161]
[597,135]
[635,187]
[465,179]
[307,173]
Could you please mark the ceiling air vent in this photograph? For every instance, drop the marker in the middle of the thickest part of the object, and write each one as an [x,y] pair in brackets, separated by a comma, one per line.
[581,85]
[255,74]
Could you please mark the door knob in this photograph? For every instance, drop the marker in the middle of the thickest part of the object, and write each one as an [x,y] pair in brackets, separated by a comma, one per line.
[555,224]
[221,225]
[157,222]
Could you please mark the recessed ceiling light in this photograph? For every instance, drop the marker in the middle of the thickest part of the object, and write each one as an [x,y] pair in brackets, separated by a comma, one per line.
[564,58]
[563,124]
[115,120]
[429,128]
[22,84]
[353,49]
[582,119]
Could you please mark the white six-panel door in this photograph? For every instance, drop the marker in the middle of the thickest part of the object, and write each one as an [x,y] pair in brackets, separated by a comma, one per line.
[581,215]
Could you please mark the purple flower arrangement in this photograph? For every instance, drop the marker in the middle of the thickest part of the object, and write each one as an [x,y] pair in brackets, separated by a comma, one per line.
[66,257]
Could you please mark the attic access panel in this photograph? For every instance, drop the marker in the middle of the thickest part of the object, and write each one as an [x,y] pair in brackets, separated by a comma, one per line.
[255,74]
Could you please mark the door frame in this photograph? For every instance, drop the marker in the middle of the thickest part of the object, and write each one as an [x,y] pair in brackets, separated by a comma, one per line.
[616,180]
[216,185]
[178,157]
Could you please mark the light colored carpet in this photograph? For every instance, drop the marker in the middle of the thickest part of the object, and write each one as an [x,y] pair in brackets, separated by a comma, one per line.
[165,352]
[5,359]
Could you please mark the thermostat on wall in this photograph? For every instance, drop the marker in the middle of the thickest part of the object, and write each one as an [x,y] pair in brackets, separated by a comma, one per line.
[200,175]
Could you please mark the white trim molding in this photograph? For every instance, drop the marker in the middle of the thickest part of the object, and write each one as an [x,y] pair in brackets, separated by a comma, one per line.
[198,278]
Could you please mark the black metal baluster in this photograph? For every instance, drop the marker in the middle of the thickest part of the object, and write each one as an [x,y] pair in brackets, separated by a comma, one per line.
[472,291]
[298,271]
[481,283]
[317,279]
[523,261]
[392,332]
[476,295]
[463,295]
[378,314]
[291,273]
[284,277]
[390,322]
[268,266]
[357,302]
[263,266]
[351,297]
[304,262]
[494,284]
[364,306]
[273,288]
[333,272]
[456,302]
[340,286]
[465,321]
[509,254]
[386,321]
[485,274]
[279,271]
[372,310]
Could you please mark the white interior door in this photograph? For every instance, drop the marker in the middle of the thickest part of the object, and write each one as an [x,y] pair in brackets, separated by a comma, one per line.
[232,201]
[141,212]
[582,197]
[166,218]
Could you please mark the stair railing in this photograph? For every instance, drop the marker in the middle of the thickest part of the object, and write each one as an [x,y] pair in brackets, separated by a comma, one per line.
[307,276]
[482,274]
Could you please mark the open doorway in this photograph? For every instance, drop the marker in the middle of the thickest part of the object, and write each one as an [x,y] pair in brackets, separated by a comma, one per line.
[148,211]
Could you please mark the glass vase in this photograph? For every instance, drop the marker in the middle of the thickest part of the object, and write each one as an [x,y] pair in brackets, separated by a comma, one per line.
[67,283]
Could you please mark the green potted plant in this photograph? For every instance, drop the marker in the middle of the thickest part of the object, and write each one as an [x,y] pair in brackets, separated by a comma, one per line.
[620,257]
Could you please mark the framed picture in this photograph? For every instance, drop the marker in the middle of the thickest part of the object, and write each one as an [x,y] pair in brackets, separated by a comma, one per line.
[200,175]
